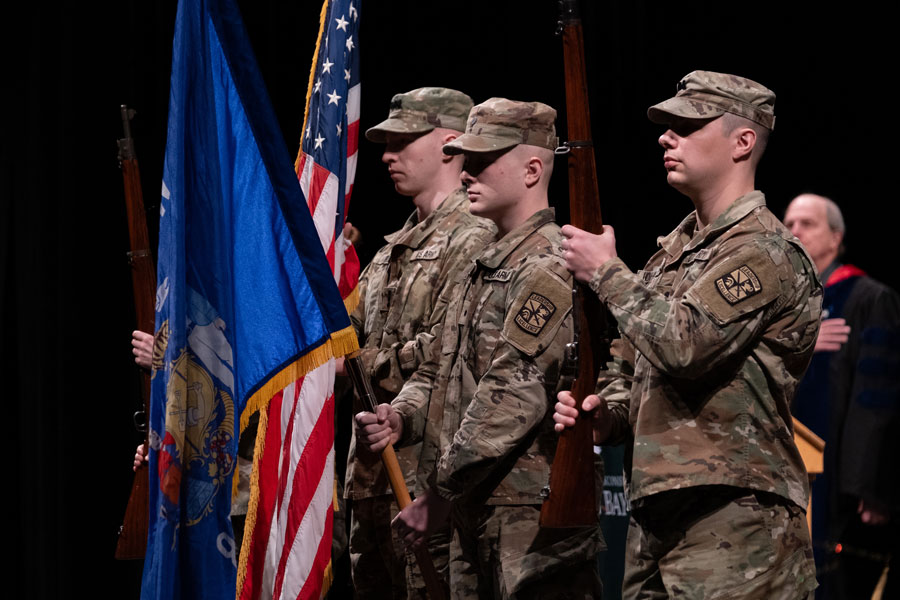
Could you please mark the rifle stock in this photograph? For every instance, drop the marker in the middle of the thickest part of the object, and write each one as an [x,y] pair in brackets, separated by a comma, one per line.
[571,501]
[366,393]
[132,543]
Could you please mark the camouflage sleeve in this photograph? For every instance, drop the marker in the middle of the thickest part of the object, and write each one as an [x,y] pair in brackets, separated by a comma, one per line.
[413,400]
[731,301]
[512,398]
[614,386]
[358,316]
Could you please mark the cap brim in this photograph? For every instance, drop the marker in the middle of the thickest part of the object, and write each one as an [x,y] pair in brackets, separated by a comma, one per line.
[377,134]
[679,107]
[477,143]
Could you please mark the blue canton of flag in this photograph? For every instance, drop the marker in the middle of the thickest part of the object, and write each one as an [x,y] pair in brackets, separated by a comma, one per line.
[246,302]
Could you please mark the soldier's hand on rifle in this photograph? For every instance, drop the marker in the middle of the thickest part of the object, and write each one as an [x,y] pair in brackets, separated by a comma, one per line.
[419,520]
[566,413]
[584,252]
[140,457]
[376,430]
[142,348]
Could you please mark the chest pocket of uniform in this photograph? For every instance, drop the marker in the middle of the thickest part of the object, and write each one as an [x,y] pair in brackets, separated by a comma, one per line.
[692,266]
[480,321]
[410,299]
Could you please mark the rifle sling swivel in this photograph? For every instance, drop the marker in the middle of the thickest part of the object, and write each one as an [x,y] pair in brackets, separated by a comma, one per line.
[567,147]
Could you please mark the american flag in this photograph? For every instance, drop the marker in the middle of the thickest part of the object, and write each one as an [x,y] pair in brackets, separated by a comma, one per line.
[287,538]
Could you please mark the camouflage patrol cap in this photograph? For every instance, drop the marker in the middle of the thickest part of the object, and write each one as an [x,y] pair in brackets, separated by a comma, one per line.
[499,123]
[421,110]
[705,95]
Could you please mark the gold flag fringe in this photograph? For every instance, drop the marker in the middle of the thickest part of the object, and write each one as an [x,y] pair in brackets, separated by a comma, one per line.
[327,580]
[250,521]
[342,342]
[352,300]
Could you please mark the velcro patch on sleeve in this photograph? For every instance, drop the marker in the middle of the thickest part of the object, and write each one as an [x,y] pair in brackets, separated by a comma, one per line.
[740,284]
[534,315]
[429,253]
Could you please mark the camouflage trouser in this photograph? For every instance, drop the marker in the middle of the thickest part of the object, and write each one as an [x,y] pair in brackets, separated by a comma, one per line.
[380,565]
[501,552]
[718,542]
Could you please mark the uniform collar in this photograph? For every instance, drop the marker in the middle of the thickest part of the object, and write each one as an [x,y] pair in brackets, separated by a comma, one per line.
[686,237]
[497,252]
[413,233]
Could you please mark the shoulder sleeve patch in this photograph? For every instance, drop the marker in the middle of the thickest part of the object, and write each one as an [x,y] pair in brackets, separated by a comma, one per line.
[740,284]
[535,314]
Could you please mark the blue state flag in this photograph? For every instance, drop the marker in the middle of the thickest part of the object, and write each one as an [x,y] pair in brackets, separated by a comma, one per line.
[246,301]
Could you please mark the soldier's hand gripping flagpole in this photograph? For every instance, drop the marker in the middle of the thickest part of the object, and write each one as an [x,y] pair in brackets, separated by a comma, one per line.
[571,501]
[363,387]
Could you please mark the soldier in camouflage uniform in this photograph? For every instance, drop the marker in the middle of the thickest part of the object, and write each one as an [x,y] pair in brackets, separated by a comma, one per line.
[717,331]
[481,405]
[398,294]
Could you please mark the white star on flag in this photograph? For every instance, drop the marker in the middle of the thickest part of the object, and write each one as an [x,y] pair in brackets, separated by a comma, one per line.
[347,75]
[319,140]
[349,43]
[333,97]
[342,23]
[326,66]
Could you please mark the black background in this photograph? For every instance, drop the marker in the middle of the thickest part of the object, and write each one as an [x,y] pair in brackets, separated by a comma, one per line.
[69,383]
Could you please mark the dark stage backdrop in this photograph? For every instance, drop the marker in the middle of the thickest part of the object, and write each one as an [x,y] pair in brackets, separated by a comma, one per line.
[69,385]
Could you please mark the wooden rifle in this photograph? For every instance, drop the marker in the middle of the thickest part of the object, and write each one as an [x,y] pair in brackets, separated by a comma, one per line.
[363,386]
[132,542]
[571,500]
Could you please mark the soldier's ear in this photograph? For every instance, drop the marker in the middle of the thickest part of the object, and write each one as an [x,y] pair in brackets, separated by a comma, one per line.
[744,142]
[446,139]
[534,168]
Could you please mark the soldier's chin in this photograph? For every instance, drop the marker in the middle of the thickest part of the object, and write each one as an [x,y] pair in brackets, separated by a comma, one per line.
[403,189]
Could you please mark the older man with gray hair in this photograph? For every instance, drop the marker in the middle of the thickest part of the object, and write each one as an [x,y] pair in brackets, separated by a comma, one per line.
[851,398]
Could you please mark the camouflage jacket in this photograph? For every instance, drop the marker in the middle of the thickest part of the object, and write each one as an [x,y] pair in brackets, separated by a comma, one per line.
[481,405]
[398,292]
[720,325]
